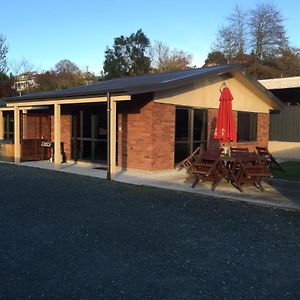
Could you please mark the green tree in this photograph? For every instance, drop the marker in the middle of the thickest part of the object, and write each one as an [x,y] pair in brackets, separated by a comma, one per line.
[128,56]
[215,58]
[6,84]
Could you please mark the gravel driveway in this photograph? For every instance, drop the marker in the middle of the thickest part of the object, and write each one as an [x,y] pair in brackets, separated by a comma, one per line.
[66,236]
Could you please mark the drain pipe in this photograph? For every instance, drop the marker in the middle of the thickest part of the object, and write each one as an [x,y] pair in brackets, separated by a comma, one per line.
[108,99]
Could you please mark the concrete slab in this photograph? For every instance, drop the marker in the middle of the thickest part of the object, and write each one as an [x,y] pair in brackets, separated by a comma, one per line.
[278,193]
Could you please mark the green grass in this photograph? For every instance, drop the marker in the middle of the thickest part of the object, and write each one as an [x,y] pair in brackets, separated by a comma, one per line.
[292,171]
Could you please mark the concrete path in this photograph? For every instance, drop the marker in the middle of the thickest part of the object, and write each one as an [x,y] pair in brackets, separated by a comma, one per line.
[278,193]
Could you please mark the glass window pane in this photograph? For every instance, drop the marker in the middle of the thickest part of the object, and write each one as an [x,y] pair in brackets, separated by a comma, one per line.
[101,132]
[182,125]
[181,151]
[247,126]
[87,124]
[101,151]
[200,125]
[87,150]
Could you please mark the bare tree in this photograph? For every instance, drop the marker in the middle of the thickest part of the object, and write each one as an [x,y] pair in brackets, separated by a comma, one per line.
[3,53]
[66,66]
[267,33]
[238,24]
[67,74]
[20,67]
[226,43]
[231,39]
[163,59]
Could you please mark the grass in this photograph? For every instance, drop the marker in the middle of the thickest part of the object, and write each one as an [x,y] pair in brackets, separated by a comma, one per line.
[292,171]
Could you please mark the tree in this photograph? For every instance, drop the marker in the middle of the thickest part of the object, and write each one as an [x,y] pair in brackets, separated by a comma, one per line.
[128,56]
[3,53]
[231,38]
[6,84]
[267,33]
[165,60]
[238,24]
[215,58]
[20,67]
[256,39]
[67,74]
[289,62]
[47,81]
[66,66]
[225,43]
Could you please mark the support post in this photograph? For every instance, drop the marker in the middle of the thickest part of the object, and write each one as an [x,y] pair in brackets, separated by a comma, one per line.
[108,175]
[57,137]
[111,137]
[1,125]
[24,124]
[17,135]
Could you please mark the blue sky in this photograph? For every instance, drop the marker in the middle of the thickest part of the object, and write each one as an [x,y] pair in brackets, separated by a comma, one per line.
[46,31]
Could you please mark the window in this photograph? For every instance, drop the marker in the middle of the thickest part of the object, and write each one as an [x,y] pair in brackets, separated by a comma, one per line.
[247,127]
[190,131]
[8,120]
[89,136]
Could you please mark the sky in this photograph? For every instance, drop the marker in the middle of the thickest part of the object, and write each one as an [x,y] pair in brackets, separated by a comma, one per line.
[46,31]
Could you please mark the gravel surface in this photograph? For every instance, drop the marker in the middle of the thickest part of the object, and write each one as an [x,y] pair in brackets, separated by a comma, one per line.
[66,236]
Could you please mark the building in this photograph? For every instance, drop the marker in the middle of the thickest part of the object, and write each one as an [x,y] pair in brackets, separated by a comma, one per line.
[25,82]
[148,122]
[284,141]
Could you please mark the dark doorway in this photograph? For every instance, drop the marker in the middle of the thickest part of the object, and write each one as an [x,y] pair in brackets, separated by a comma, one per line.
[89,135]
[190,131]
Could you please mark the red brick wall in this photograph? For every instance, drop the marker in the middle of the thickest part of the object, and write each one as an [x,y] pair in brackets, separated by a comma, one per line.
[146,133]
[37,126]
[211,125]
[66,131]
[262,131]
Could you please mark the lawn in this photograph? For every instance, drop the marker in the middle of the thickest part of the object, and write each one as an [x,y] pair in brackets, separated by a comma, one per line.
[292,171]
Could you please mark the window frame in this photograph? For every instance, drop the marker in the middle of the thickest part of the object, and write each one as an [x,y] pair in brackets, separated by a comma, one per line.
[251,127]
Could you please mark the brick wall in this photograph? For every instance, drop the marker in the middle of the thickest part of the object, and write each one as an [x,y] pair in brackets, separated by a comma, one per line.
[262,131]
[146,133]
[36,126]
[65,131]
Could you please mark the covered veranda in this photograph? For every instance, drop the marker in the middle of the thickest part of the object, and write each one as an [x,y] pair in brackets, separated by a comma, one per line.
[53,108]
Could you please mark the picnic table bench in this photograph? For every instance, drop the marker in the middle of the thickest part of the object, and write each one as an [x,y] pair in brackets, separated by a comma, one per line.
[248,169]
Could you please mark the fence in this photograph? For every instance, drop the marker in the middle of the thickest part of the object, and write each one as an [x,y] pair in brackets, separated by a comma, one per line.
[285,124]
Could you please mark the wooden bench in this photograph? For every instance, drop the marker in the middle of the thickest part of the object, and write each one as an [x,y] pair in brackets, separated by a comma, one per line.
[208,167]
[268,158]
[234,150]
[248,170]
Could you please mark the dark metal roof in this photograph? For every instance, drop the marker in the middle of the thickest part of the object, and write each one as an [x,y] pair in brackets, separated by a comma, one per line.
[131,85]
[2,103]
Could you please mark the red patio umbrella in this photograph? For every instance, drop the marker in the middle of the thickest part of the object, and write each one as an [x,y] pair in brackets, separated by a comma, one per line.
[225,129]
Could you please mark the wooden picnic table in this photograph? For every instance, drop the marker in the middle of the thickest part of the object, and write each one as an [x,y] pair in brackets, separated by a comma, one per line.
[238,169]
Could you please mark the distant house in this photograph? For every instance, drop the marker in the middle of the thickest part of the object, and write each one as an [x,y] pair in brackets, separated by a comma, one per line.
[284,138]
[25,82]
[148,122]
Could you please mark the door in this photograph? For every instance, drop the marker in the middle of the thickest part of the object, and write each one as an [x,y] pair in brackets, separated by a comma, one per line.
[89,135]
[190,131]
